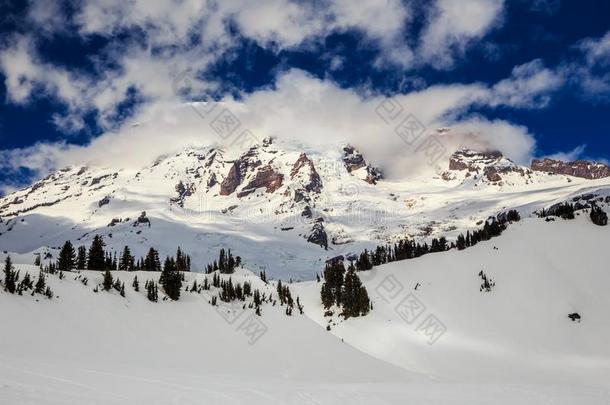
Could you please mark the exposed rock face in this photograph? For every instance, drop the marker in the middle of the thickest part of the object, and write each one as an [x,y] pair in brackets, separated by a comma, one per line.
[578,168]
[492,174]
[353,161]
[104,201]
[466,159]
[233,179]
[212,181]
[266,177]
[373,174]
[183,191]
[304,166]
[142,219]
[318,235]
[492,165]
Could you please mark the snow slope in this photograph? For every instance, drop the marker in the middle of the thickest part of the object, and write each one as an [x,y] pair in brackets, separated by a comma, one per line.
[518,332]
[511,345]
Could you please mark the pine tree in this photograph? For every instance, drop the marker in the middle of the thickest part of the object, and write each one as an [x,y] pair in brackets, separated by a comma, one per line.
[10,277]
[126,260]
[152,291]
[26,284]
[96,259]
[598,216]
[41,284]
[152,262]
[183,261]
[136,284]
[355,299]
[81,259]
[333,282]
[170,279]
[108,282]
[67,257]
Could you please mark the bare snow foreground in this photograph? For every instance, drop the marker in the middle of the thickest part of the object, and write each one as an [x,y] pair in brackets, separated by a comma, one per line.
[512,345]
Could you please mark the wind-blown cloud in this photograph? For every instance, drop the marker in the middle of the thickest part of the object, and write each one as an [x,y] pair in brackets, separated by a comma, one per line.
[299,108]
[593,75]
[453,25]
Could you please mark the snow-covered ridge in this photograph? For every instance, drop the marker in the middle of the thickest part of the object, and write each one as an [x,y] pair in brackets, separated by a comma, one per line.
[578,168]
[306,204]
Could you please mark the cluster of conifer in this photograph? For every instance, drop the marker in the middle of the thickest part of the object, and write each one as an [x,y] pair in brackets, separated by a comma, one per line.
[13,283]
[225,264]
[407,248]
[96,258]
[345,290]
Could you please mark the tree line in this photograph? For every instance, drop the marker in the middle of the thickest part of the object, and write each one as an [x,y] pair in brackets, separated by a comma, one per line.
[96,258]
[407,248]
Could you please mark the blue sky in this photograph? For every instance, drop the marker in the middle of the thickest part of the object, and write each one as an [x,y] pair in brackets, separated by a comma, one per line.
[74,75]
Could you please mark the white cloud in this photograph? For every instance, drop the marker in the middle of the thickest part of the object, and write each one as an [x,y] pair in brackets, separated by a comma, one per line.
[299,108]
[593,75]
[453,25]
[597,50]
[574,154]
[529,86]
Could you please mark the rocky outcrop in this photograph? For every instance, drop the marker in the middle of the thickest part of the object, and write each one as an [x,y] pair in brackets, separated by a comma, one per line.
[305,167]
[373,175]
[318,235]
[266,177]
[353,161]
[183,191]
[233,179]
[104,201]
[578,168]
[473,161]
[492,165]
[142,220]
[237,172]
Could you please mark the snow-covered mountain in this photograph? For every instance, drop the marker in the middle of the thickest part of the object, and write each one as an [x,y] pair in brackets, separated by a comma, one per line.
[304,204]
[490,323]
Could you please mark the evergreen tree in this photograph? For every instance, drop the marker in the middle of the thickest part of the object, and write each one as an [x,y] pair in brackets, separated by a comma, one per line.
[333,282]
[108,281]
[460,243]
[81,259]
[26,284]
[170,279]
[136,284]
[152,262]
[152,291]
[41,284]
[67,257]
[355,299]
[126,261]
[96,256]
[183,261]
[10,277]
[598,216]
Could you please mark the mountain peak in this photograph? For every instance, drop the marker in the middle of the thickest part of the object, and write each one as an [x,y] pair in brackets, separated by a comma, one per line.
[578,168]
[493,165]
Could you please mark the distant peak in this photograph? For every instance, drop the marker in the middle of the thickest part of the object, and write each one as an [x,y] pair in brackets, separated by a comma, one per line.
[578,168]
